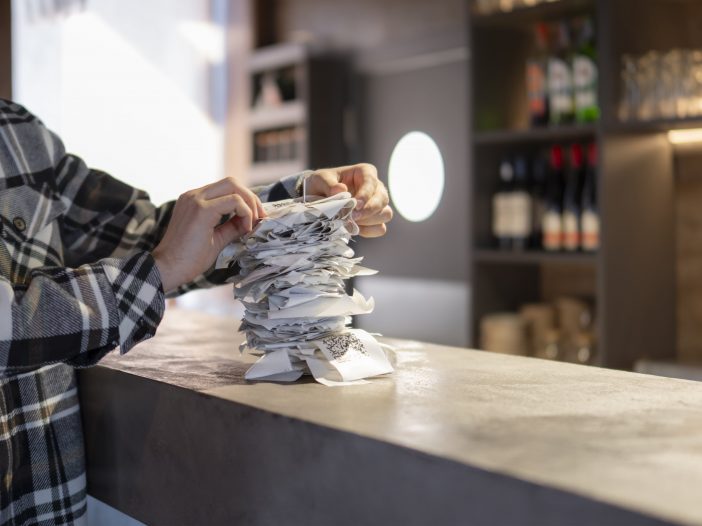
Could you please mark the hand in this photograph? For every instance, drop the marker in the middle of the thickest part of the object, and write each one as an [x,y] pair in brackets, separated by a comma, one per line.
[195,237]
[372,211]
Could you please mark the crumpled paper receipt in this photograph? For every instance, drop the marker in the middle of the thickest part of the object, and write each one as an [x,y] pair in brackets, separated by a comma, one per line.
[291,277]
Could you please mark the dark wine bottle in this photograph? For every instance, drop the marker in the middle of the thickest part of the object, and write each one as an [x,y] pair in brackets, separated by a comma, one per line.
[521,206]
[560,78]
[502,207]
[590,213]
[536,71]
[539,171]
[572,199]
[551,225]
[585,71]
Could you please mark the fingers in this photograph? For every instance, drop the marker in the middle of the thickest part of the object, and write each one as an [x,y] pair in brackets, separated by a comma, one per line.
[225,186]
[245,215]
[229,186]
[259,207]
[373,231]
[228,232]
[384,216]
[324,183]
[365,181]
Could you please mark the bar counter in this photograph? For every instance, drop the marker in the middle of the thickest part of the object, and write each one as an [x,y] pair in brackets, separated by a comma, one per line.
[175,435]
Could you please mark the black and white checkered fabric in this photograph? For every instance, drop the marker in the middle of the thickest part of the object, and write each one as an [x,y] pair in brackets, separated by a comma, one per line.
[76,280]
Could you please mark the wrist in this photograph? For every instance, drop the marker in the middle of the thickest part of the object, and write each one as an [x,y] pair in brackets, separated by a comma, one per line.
[169,280]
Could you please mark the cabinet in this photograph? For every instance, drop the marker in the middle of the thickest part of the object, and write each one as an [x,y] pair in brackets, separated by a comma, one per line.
[300,114]
[632,277]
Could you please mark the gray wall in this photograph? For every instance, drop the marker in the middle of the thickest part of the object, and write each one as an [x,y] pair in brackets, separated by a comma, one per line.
[422,290]
[367,24]
[412,60]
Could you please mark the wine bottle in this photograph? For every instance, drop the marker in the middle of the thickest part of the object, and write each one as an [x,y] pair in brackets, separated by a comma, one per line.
[590,212]
[560,78]
[536,71]
[572,199]
[539,173]
[585,72]
[502,206]
[551,224]
[521,206]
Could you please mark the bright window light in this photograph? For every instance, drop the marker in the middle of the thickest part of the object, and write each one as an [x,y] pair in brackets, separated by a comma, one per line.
[416,176]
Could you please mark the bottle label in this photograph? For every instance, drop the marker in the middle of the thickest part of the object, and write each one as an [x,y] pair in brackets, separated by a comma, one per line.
[560,87]
[571,230]
[585,82]
[501,215]
[521,214]
[536,88]
[591,230]
[552,230]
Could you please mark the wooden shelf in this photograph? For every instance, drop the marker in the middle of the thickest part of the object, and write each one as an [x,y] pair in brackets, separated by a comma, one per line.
[278,56]
[656,125]
[533,257]
[528,15]
[550,134]
[291,113]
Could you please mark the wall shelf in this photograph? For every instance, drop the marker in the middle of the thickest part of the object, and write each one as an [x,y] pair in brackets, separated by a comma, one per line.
[533,257]
[291,113]
[533,135]
[655,125]
[536,13]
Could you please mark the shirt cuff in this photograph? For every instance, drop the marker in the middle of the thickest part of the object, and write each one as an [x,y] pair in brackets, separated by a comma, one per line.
[136,283]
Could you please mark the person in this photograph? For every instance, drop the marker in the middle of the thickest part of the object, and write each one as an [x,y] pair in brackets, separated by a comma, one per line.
[86,262]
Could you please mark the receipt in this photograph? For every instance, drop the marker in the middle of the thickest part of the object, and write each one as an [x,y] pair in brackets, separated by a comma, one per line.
[293,268]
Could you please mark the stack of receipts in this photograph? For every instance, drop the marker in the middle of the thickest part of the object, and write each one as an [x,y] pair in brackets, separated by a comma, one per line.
[291,277]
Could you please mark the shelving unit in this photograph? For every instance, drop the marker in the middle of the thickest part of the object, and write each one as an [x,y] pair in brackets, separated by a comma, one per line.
[311,117]
[632,278]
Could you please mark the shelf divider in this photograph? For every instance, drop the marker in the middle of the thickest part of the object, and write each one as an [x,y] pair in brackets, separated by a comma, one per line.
[547,134]
[532,257]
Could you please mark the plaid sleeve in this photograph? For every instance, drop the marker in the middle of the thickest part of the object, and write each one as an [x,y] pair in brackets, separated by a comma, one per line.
[105,218]
[78,315]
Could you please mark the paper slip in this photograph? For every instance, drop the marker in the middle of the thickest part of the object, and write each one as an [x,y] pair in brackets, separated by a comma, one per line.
[291,277]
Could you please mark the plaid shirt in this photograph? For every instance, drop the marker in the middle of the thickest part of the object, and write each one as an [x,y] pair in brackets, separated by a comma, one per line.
[76,280]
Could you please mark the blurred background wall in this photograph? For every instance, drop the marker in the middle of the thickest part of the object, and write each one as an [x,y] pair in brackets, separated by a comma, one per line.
[138,89]
[405,54]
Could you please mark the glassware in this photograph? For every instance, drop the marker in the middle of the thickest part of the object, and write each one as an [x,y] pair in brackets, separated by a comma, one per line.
[659,85]
[631,94]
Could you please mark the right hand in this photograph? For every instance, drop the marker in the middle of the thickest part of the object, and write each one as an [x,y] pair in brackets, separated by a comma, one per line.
[194,238]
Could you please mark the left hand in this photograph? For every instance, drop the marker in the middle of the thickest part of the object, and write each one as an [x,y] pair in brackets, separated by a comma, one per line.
[361,180]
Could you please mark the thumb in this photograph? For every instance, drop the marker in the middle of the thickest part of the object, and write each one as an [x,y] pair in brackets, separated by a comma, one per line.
[325,183]
[226,233]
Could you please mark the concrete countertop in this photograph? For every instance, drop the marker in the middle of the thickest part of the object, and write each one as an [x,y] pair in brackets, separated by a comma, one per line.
[175,435]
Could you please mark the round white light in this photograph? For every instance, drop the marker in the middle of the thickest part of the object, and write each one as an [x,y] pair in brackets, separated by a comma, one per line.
[416,176]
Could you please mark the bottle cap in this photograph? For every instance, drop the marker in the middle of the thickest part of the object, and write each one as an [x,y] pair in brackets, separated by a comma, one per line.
[556,157]
[521,170]
[506,171]
[542,35]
